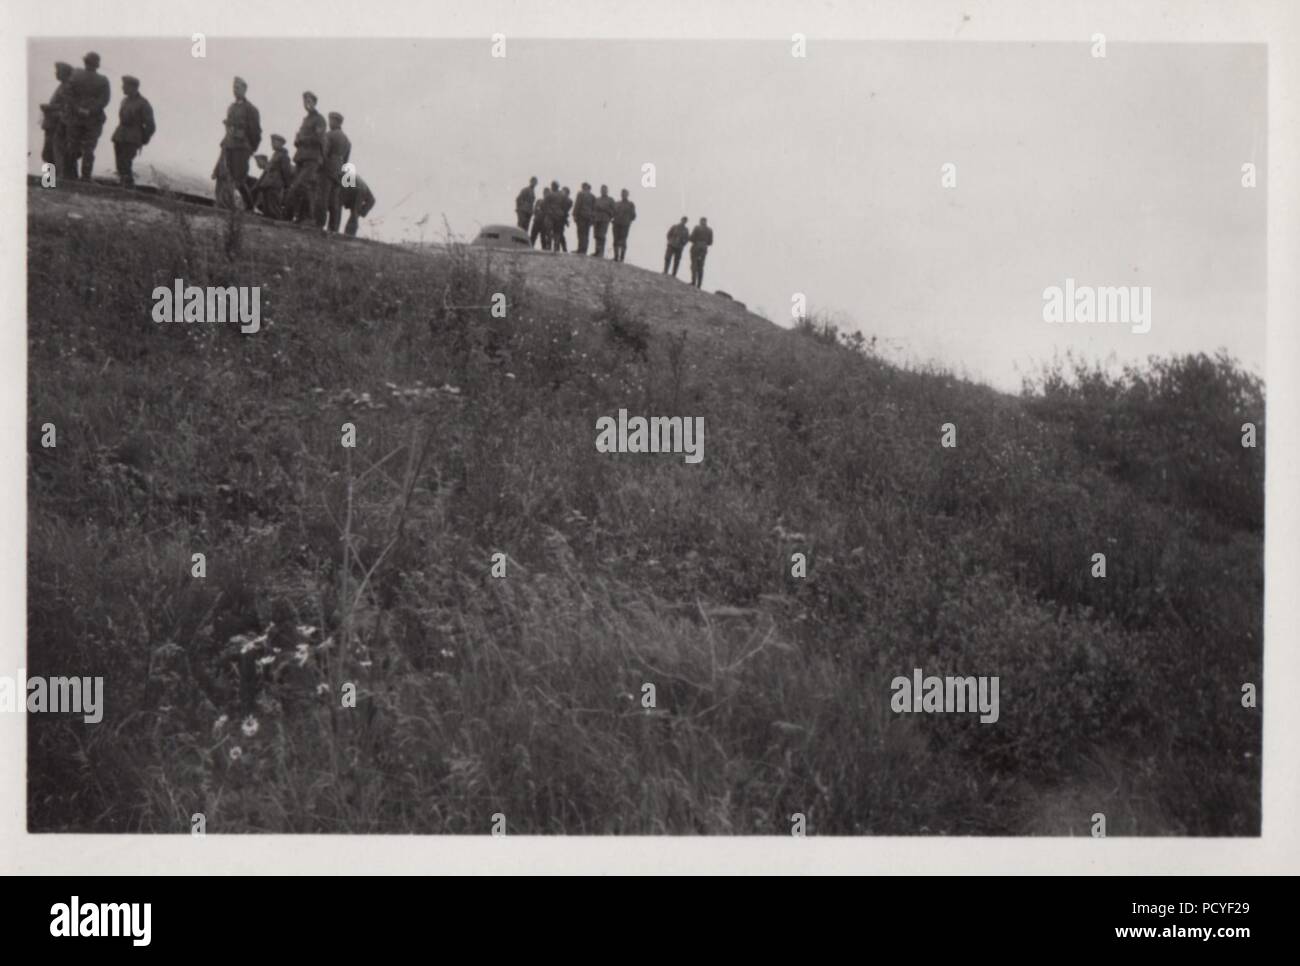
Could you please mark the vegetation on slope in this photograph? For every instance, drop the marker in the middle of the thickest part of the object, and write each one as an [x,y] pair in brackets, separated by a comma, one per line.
[523,695]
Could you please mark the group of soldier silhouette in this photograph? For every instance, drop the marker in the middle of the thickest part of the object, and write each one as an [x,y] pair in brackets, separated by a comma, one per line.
[312,188]
[547,218]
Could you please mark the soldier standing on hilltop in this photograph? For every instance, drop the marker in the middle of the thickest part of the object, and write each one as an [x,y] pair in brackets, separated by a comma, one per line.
[358,200]
[624,215]
[243,136]
[525,202]
[555,212]
[541,216]
[135,126]
[309,144]
[678,236]
[54,120]
[584,210]
[604,211]
[338,148]
[275,180]
[89,93]
[701,239]
[564,223]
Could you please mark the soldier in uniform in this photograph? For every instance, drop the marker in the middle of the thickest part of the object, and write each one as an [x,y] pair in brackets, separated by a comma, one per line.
[604,214]
[555,217]
[541,220]
[243,137]
[54,120]
[524,202]
[277,175]
[584,210]
[566,205]
[309,145]
[337,151]
[224,192]
[678,236]
[135,126]
[89,93]
[358,200]
[624,215]
[701,239]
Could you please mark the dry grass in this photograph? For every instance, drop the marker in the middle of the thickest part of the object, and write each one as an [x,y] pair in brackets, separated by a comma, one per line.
[523,695]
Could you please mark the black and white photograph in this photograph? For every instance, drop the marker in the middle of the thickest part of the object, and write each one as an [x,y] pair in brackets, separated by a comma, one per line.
[558,423]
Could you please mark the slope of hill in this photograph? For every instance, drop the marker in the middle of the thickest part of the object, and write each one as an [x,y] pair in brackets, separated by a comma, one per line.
[472,612]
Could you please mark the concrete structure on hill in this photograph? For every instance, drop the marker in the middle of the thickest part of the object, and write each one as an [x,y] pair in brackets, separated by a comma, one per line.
[503,236]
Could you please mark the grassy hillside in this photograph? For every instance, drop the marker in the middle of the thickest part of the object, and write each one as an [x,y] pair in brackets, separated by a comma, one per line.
[523,695]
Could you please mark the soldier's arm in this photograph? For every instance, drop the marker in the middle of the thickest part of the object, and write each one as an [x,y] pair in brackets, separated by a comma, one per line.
[255,133]
[149,126]
[105,94]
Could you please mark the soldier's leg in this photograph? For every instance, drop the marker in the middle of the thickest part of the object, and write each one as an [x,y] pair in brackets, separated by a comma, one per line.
[703,255]
[537,230]
[322,198]
[236,163]
[124,154]
[302,194]
[561,243]
[71,150]
[523,218]
[351,229]
[88,141]
[60,146]
[336,206]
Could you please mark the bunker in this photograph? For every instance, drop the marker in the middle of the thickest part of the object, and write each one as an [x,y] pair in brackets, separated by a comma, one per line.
[503,236]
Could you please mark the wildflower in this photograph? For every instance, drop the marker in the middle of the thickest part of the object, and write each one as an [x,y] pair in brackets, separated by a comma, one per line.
[249,727]
[219,725]
[266,660]
[322,688]
[447,652]
[236,753]
[301,653]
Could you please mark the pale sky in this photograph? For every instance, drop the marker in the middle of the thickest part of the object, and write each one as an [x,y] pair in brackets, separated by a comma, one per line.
[819,175]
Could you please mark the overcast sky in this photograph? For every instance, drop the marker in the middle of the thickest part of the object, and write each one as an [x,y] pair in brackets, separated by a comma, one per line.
[819,175]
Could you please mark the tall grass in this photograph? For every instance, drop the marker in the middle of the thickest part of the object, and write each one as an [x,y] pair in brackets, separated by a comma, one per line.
[526,694]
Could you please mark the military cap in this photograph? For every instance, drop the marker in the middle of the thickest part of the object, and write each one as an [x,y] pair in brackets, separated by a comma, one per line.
[241,82]
[277,139]
[130,81]
[62,67]
[91,59]
[336,116]
[313,97]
